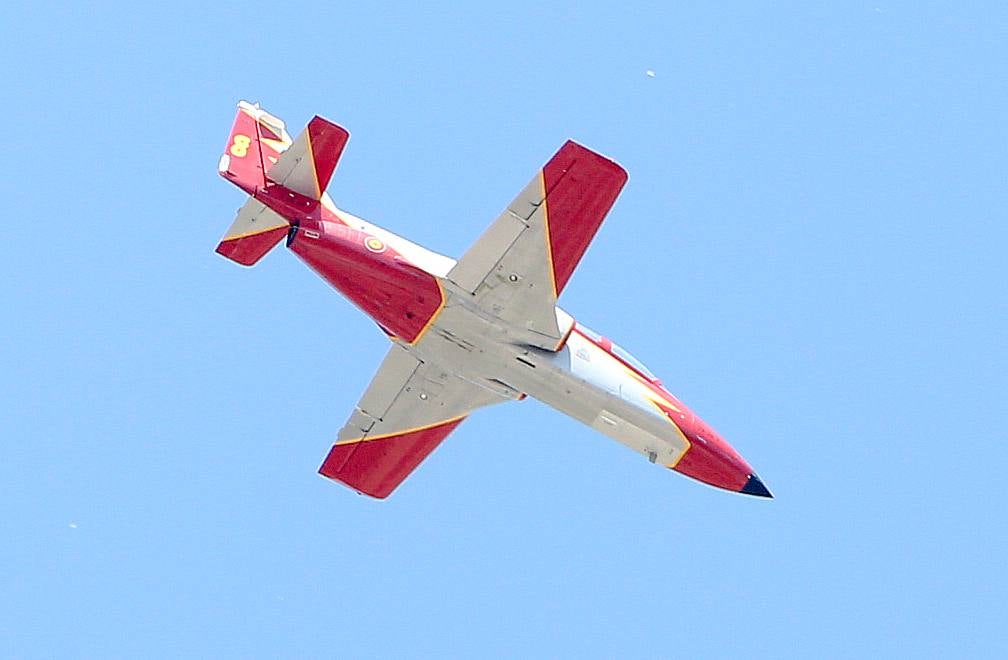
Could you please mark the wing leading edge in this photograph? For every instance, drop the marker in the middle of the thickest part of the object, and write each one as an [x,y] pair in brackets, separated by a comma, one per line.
[518,267]
[407,410]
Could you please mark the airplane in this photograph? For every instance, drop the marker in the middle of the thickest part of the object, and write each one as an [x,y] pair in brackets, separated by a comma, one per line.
[465,334]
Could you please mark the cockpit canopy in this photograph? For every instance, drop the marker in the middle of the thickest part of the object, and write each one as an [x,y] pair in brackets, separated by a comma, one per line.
[633,362]
[618,352]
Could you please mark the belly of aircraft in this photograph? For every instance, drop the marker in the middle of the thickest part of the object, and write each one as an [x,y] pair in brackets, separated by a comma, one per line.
[480,350]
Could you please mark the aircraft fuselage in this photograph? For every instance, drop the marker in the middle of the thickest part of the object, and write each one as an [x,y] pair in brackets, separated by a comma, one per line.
[587,378]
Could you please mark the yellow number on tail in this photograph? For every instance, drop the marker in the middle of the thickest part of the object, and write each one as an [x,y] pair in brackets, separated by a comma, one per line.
[240,145]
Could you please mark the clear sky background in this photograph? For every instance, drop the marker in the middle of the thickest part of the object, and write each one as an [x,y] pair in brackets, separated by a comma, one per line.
[810,252]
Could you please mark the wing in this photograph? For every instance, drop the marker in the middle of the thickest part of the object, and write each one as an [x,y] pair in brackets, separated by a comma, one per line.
[519,266]
[407,410]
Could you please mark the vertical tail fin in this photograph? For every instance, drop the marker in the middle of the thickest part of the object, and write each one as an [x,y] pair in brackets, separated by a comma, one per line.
[256,141]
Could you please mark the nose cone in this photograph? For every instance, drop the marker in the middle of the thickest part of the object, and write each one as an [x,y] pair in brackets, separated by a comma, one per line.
[755,487]
[713,461]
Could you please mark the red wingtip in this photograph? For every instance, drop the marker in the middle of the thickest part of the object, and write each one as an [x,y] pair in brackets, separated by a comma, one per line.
[376,467]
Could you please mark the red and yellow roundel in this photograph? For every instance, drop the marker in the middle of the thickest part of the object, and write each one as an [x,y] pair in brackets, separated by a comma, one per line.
[374,244]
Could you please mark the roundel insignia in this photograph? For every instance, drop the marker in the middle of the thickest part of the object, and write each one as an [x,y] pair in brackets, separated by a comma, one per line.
[374,244]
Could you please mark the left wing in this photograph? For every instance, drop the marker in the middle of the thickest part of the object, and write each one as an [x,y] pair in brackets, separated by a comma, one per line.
[518,267]
[407,410]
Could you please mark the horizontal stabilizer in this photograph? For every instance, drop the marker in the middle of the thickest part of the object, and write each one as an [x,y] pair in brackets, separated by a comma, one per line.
[253,233]
[308,164]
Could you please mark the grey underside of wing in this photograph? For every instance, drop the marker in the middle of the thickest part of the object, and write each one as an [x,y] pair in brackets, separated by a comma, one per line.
[507,271]
[407,394]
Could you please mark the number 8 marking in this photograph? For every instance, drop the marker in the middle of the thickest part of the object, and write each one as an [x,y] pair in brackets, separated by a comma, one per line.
[240,145]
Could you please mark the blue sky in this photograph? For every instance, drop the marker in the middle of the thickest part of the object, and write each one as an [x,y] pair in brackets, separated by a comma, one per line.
[810,253]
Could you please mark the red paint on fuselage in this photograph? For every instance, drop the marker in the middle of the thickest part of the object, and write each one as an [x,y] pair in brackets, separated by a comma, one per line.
[400,297]
[709,458]
[712,460]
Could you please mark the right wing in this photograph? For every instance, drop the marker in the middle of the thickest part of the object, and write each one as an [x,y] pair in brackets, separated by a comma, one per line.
[407,410]
[518,267]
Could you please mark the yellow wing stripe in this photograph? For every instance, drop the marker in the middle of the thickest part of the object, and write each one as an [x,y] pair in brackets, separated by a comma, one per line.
[437,312]
[546,234]
[383,436]
[235,237]
[311,161]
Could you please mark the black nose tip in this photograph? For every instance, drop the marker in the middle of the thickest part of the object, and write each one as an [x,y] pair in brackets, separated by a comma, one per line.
[755,487]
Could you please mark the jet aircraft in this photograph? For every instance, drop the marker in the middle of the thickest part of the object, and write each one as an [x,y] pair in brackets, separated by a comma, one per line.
[465,334]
